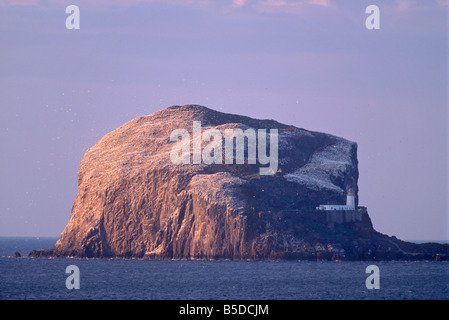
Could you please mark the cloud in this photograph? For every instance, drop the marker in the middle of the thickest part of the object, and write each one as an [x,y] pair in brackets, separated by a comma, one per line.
[323,3]
[403,4]
[98,3]
[238,3]
[19,3]
[235,3]
[290,6]
[265,6]
[443,3]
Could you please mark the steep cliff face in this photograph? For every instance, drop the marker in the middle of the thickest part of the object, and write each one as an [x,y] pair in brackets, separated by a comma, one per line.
[133,201]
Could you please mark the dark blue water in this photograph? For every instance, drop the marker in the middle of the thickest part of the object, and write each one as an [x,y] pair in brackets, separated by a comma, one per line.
[26,278]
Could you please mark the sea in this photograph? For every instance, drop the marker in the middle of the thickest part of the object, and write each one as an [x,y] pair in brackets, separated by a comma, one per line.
[24,278]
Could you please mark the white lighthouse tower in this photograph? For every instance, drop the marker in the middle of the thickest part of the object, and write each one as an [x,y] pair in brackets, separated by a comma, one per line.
[350,203]
[350,200]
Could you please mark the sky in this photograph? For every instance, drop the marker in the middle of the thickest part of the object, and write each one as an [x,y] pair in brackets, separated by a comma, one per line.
[308,63]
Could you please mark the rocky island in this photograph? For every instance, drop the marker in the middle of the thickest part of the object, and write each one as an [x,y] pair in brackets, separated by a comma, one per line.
[134,201]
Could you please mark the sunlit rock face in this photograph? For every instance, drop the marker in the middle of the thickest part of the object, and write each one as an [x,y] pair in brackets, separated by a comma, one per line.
[134,201]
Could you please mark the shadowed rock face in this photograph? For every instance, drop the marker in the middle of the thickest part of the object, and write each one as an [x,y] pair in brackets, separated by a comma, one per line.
[133,201]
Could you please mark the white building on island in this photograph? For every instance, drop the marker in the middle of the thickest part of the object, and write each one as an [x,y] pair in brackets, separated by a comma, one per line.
[350,204]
